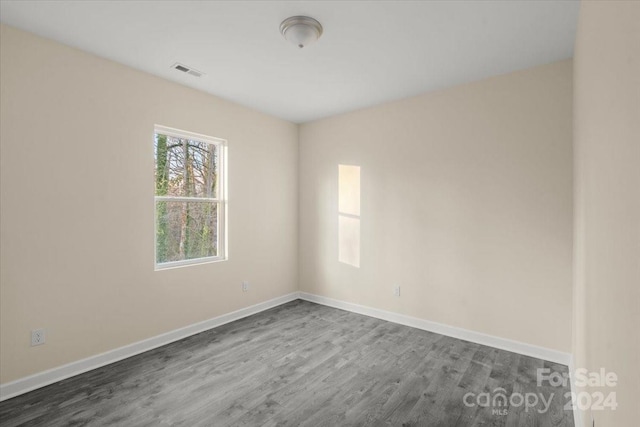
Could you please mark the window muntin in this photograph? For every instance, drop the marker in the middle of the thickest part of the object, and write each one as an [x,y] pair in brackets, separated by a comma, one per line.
[190,200]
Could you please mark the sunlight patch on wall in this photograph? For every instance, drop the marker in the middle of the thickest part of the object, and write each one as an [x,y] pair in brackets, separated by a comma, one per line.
[349,215]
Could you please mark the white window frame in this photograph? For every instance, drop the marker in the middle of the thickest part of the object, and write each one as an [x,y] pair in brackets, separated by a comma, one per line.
[221,199]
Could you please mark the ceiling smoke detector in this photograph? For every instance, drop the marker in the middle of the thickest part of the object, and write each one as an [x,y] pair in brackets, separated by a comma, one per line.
[301,30]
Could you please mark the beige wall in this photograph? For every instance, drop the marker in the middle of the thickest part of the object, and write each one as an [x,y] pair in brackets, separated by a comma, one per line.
[607,159]
[77,206]
[466,203]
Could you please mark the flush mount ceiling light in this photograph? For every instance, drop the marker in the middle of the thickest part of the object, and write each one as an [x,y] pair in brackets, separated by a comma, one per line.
[301,30]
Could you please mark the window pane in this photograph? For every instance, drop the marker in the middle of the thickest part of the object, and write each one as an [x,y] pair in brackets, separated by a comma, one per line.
[349,240]
[349,189]
[186,230]
[185,167]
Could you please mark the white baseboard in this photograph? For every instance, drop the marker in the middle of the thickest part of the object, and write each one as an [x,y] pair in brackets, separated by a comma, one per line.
[41,379]
[451,331]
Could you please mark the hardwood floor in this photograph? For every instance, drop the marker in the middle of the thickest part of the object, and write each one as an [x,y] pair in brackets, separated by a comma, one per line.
[299,364]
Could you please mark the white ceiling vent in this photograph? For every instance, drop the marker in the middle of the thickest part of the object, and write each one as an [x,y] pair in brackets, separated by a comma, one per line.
[183,68]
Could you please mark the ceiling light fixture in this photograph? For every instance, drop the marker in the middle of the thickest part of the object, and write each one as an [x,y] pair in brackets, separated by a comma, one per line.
[301,30]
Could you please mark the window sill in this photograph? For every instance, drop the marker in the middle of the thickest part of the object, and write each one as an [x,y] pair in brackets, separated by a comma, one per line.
[188,263]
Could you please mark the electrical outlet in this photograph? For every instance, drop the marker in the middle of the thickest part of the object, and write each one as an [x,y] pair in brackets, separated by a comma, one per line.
[37,337]
[396,291]
[245,286]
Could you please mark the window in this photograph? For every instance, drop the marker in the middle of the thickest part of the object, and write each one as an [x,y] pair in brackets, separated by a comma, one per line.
[349,215]
[190,199]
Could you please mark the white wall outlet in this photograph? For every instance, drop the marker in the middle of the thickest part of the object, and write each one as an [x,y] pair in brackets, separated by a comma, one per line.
[37,337]
[396,291]
[245,286]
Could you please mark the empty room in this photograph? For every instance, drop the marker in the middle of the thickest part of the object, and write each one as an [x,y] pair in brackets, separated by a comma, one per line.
[320,213]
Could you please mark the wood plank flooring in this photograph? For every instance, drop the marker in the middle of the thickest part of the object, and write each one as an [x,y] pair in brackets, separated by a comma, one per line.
[299,364]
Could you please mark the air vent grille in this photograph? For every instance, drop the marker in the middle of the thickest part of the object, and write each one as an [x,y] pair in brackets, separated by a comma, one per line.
[183,68]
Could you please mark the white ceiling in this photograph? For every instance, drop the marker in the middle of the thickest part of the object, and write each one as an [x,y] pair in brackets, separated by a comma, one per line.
[370,52]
